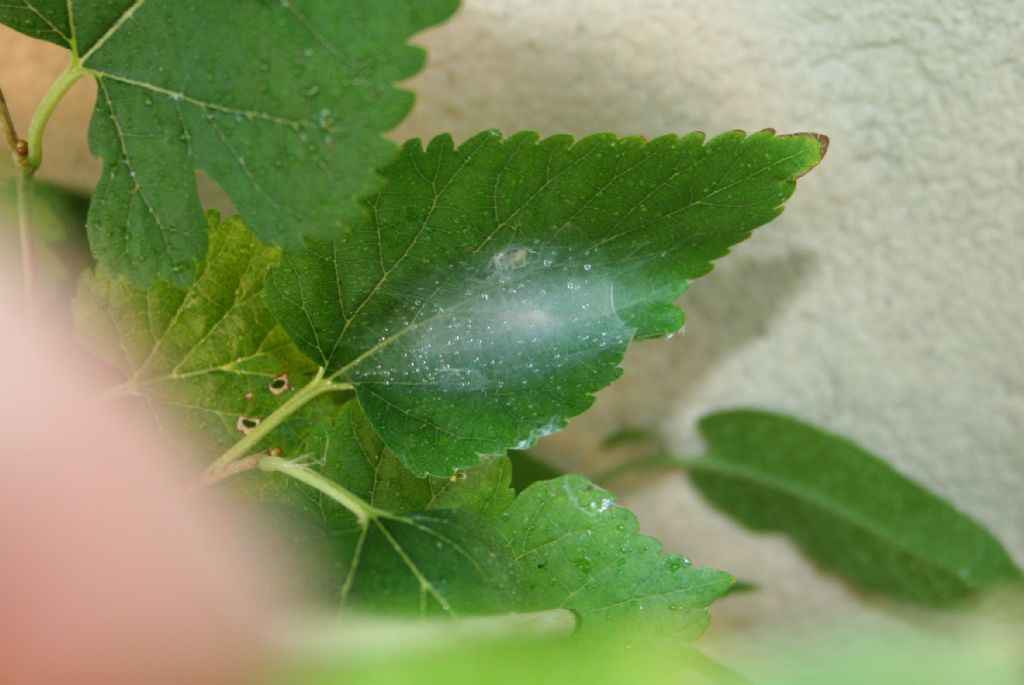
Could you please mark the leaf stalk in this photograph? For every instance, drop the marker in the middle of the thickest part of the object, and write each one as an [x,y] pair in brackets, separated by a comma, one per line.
[362,510]
[241,466]
[27,156]
[659,460]
[47,105]
[28,251]
[18,147]
[19,155]
[247,445]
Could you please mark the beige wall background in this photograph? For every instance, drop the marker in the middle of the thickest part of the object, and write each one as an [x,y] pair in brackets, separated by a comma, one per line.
[886,304]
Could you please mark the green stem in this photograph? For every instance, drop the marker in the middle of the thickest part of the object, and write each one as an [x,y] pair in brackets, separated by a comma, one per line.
[660,460]
[67,78]
[241,466]
[10,132]
[247,445]
[361,509]
[19,156]
[28,252]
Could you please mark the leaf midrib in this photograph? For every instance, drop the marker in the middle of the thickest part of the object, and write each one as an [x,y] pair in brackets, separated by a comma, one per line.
[383,344]
[46,20]
[177,96]
[718,466]
[107,35]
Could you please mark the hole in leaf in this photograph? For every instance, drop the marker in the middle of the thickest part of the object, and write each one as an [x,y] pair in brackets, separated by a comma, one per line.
[246,423]
[279,384]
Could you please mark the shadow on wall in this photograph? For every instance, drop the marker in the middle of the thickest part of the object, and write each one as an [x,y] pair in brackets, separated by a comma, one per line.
[487,70]
[726,310]
[532,72]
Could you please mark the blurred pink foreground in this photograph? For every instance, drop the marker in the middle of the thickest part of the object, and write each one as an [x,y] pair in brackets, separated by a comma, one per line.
[110,572]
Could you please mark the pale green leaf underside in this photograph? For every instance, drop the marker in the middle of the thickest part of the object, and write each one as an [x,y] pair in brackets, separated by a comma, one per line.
[282,102]
[846,508]
[203,357]
[425,563]
[444,557]
[347,450]
[574,548]
[495,286]
[469,548]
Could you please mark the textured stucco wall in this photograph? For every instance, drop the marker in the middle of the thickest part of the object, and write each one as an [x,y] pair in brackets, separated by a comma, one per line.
[888,301]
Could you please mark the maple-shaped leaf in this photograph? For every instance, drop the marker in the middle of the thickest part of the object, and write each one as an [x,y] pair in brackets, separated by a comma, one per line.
[572,547]
[413,545]
[455,546]
[282,103]
[346,449]
[495,286]
[208,361]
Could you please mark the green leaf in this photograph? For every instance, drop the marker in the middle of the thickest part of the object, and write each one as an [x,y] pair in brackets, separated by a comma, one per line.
[846,508]
[429,550]
[495,286]
[45,19]
[206,358]
[573,548]
[352,454]
[282,103]
[438,562]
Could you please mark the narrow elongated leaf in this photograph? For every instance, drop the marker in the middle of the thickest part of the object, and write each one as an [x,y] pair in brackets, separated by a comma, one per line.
[282,103]
[496,285]
[573,548]
[208,360]
[846,508]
